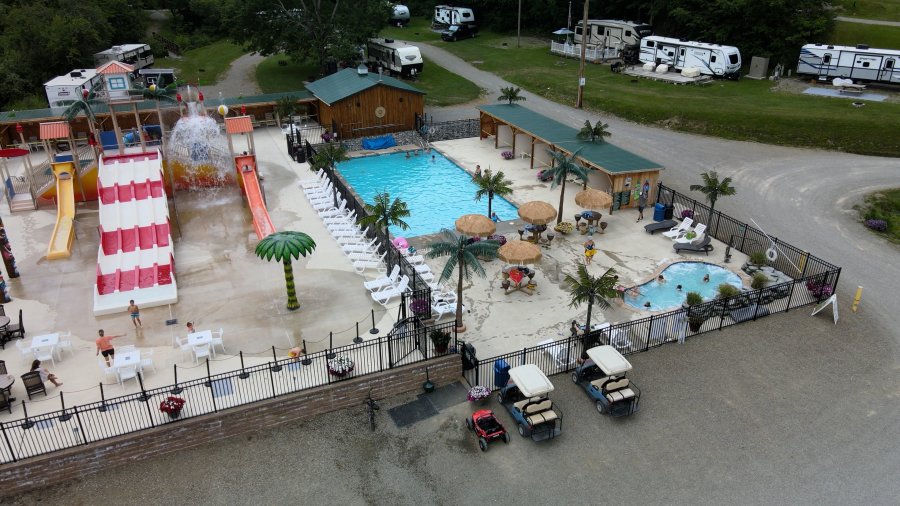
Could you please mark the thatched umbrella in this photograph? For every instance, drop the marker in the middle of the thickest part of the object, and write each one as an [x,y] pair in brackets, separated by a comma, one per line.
[593,199]
[475,225]
[519,252]
[537,212]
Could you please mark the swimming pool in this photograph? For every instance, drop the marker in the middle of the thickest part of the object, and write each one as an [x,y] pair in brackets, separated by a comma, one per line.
[689,275]
[436,192]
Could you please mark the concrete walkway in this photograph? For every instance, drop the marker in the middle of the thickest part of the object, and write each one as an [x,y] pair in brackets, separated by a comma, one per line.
[868,21]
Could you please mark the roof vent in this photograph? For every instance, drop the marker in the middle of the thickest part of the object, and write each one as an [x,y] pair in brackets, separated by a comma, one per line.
[862,46]
[74,74]
[362,70]
[388,41]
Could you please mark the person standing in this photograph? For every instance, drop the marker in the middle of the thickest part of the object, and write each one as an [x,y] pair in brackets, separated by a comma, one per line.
[477,172]
[104,346]
[589,251]
[135,314]
[45,374]
[642,200]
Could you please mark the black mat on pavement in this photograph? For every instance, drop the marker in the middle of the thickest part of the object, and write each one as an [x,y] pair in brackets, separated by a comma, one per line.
[447,396]
[412,412]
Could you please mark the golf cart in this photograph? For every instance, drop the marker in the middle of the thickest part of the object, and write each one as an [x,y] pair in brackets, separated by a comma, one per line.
[525,397]
[487,428]
[602,376]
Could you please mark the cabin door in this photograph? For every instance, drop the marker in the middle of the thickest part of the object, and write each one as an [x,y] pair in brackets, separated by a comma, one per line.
[888,71]
[825,66]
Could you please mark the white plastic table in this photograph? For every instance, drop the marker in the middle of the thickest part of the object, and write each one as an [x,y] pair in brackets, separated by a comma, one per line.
[45,340]
[127,358]
[199,338]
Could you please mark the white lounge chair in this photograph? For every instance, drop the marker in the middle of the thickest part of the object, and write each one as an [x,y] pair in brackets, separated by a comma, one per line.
[355,256]
[369,247]
[318,180]
[680,229]
[317,190]
[385,281]
[360,266]
[699,230]
[384,296]
[335,211]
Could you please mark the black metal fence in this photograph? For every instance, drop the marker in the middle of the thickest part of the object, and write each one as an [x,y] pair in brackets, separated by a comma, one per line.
[409,342]
[447,130]
[814,280]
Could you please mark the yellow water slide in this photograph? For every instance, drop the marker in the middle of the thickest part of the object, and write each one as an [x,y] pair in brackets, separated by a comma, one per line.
[64,231]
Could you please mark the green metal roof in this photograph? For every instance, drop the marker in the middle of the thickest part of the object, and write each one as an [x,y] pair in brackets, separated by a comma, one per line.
[610,158]
[349,82]
[149,105]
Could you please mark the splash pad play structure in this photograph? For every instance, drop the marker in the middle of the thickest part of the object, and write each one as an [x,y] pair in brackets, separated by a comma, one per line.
[248,173]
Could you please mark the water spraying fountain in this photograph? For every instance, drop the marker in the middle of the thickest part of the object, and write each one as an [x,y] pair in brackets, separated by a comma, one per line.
[198,146]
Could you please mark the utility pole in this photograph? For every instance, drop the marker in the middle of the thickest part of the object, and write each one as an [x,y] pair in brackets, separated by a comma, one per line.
[519,26]
[585,36]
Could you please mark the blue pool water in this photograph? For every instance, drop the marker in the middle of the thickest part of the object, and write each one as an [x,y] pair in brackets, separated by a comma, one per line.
[436,192]
[664,296]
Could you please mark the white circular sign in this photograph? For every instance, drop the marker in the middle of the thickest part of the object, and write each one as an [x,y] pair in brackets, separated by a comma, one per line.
[380,112]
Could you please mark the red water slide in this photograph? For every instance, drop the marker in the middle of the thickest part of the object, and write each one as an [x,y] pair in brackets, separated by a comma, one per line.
[262,224]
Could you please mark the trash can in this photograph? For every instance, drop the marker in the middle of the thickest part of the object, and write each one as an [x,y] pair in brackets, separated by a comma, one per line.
[659,211]
[501,373]
[670,210]
[469,360]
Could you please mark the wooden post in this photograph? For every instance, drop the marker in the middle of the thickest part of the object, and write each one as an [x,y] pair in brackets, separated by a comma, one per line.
[137,123]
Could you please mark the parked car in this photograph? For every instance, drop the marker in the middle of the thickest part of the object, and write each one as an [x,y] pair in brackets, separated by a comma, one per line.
[525,397]
[456,32]
[602,376]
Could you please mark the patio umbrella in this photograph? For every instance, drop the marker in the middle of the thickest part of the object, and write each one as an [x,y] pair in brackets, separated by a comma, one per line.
[475,225]
[519,252]
[593,199]
[563,31]
[537,212]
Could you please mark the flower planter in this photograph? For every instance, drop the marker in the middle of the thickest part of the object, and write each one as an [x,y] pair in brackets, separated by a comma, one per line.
[340,374]
[175,414]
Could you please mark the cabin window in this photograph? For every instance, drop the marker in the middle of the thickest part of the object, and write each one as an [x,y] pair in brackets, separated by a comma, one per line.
[650,43]
[712,59]
[681,52]
[826,59]
[889,64]
[577,30]
[865,64]
[117,83]
[733,59]
[607,32]
[670,53]
[628,33]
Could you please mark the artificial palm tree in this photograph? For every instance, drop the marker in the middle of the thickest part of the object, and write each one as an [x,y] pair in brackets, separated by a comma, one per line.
[510,95]
[157,94]
[463,258]
[563,167]
[597,131]
[84,105]
[594,290]
[713,189]
[328,155]
[492,184]
[383,213]
[284,246]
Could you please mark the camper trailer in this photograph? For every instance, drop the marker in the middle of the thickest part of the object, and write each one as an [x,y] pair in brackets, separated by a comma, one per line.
[710,59]
[399,15]
[136,55]
[446,15]
[63,89]
[396,58]
[860,62]
[619,39]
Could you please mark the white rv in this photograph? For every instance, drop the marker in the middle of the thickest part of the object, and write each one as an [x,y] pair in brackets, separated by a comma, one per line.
[710,59]
[136,55]
[399,15]
[69,88]
[446,15]
[860,62]
[396,58]
[618,38]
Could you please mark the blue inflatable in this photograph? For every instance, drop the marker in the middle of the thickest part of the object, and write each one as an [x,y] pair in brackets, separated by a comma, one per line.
[385,141]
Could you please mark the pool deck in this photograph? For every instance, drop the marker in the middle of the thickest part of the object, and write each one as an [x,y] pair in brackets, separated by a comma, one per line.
[222,284]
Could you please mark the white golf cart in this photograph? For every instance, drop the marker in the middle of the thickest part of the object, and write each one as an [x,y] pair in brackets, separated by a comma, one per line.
[525,397]
[602,376]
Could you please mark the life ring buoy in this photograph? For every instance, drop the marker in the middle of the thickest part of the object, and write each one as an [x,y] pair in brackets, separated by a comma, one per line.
[380,112]
[771,254]
[431,131]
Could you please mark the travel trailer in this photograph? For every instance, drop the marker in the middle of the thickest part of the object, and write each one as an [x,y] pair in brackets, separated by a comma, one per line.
[136,55]
[396,58]
[710,59]
[446,15]
[69,87]
[399,15]
[860,62]
[619,39]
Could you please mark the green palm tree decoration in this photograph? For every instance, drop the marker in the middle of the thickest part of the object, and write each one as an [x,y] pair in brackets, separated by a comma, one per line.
[597,131]
[510,95]
[492,184]
[594,290]
[157,94]
[285,246]
[328,155]
[563,167]
[383,213]
[463,258]
[84,105]
[713,189]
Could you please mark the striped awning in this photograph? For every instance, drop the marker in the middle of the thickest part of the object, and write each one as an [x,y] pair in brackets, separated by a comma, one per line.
[238,125]
[115,67]
[54,130]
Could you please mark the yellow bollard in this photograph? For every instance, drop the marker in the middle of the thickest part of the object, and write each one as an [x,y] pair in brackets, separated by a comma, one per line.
[856,299]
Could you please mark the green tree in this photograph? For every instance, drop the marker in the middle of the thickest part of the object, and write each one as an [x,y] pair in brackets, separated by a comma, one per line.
[283,247]
[597,131]
[463,258]
[328,155]
[563,167]
[511,95]
[584,288]
[383,213]
[713,189]
[492,184]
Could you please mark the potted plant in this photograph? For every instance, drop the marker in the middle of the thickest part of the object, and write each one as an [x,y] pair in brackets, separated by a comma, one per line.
[508,155]
[172,406]
[758,258]
[690,235]
[695,317]
[819,289]
[759,281]
[340,366]
[564,227]
[687,213]
[420,307]
[501,239]
[440,339]
[478,394]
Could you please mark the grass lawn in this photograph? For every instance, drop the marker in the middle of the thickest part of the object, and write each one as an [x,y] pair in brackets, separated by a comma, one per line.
[204,65]
[851,34]
[274,78]
[884,205]
[445,88]
[742,110]
[888,10]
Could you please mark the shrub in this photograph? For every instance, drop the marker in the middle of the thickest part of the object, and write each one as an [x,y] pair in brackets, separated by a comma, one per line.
[508,155]
[758,258]
[759,280]
[877,225]
[564,227]
[726,291]
[819,289]
[694,298]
